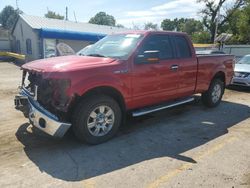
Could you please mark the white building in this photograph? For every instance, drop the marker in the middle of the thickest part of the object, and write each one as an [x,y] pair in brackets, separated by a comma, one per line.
[37,37]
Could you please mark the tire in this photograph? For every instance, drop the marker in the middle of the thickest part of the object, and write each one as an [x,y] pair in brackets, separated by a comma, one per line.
[96,119]
[212,97]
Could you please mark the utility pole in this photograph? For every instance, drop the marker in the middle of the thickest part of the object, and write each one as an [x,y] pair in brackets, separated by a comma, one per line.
[66,17]
[75,17]
[17,7]
[217,23]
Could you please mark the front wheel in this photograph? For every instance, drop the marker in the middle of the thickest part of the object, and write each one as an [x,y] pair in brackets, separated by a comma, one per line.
[212,97]
[96,119]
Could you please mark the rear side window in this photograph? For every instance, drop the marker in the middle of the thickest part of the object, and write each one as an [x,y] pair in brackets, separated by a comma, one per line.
[160,43]
[182,47]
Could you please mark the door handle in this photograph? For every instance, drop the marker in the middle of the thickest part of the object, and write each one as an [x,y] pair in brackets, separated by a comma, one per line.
[174,67]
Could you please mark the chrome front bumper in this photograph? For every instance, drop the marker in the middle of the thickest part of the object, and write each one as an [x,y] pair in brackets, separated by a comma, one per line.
[240,81]
[38,116]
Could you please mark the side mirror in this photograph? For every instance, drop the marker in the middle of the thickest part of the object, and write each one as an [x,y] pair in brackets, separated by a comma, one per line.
[148,57]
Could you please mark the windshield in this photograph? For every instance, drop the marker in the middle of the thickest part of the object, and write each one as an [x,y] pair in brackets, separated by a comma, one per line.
[83,51]
[245,60]
[114,46]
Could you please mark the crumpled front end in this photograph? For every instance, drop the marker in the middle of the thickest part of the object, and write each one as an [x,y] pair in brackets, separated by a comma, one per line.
[44,102]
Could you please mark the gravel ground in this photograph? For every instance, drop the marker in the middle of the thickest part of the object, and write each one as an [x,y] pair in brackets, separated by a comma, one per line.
[188,146]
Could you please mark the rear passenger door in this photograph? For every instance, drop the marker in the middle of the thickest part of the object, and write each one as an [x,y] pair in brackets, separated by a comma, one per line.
[188,66]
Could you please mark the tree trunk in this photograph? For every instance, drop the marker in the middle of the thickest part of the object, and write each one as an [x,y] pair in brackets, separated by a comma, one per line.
[212,32]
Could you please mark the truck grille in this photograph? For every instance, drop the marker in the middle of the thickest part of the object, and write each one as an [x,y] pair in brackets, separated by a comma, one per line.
[44,90]
[241,74]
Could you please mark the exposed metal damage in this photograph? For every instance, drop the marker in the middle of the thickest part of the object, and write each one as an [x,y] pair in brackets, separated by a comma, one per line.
[45,102]
[50,93]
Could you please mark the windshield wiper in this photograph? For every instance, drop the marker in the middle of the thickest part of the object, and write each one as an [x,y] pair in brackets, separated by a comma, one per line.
[96,55]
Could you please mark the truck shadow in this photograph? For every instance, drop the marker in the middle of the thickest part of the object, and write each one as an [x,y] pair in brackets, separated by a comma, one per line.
[164,134]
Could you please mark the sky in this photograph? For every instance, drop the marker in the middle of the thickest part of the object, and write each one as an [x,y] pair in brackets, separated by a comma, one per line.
[126,12]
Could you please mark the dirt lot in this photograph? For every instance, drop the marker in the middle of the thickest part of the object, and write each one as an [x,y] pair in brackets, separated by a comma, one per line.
[188,146]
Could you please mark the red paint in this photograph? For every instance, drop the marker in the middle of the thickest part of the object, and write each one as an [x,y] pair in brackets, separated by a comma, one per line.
[142,84]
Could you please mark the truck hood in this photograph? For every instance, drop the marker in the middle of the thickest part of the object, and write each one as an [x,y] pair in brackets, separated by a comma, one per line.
[242,68]
[66,63]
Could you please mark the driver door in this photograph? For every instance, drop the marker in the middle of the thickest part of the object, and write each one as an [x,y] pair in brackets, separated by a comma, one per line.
[153,83]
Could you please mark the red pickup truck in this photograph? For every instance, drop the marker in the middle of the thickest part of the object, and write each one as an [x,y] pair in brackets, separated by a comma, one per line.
[137,72]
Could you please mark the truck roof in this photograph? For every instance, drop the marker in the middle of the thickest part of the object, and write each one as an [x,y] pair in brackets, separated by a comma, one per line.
[146,32]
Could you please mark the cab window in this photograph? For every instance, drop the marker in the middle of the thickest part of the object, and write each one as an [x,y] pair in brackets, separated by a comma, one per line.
[182,47]
[159,43]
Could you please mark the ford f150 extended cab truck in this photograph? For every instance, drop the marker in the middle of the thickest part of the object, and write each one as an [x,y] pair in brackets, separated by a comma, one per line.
[137,72]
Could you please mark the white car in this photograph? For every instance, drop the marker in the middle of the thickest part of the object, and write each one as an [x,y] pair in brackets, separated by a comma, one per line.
[242,72]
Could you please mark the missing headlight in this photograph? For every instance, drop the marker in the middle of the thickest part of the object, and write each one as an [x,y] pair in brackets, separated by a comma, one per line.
[60,93]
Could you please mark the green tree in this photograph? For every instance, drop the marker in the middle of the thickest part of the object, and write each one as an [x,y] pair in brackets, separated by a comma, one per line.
[150,26]
[244,25]
[179,23]
[192,26]
[201,37]
[214,18]
[8,16]
[189,26]
[233,22]
[51,14]
[120,25]
[168,25]
[102,18]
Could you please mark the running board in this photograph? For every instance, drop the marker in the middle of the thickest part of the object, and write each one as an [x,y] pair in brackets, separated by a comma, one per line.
[148,110]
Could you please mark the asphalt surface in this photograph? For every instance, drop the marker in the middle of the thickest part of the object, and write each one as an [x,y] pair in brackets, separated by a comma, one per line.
[187,146]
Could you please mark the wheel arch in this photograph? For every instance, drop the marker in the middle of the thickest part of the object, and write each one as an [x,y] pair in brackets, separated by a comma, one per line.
[220,75]
[101,90]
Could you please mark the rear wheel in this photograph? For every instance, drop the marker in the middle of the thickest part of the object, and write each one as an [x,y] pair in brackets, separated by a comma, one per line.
[96,119]
[212,97]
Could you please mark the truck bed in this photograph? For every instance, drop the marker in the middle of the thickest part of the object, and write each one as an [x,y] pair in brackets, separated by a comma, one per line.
[210,64]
